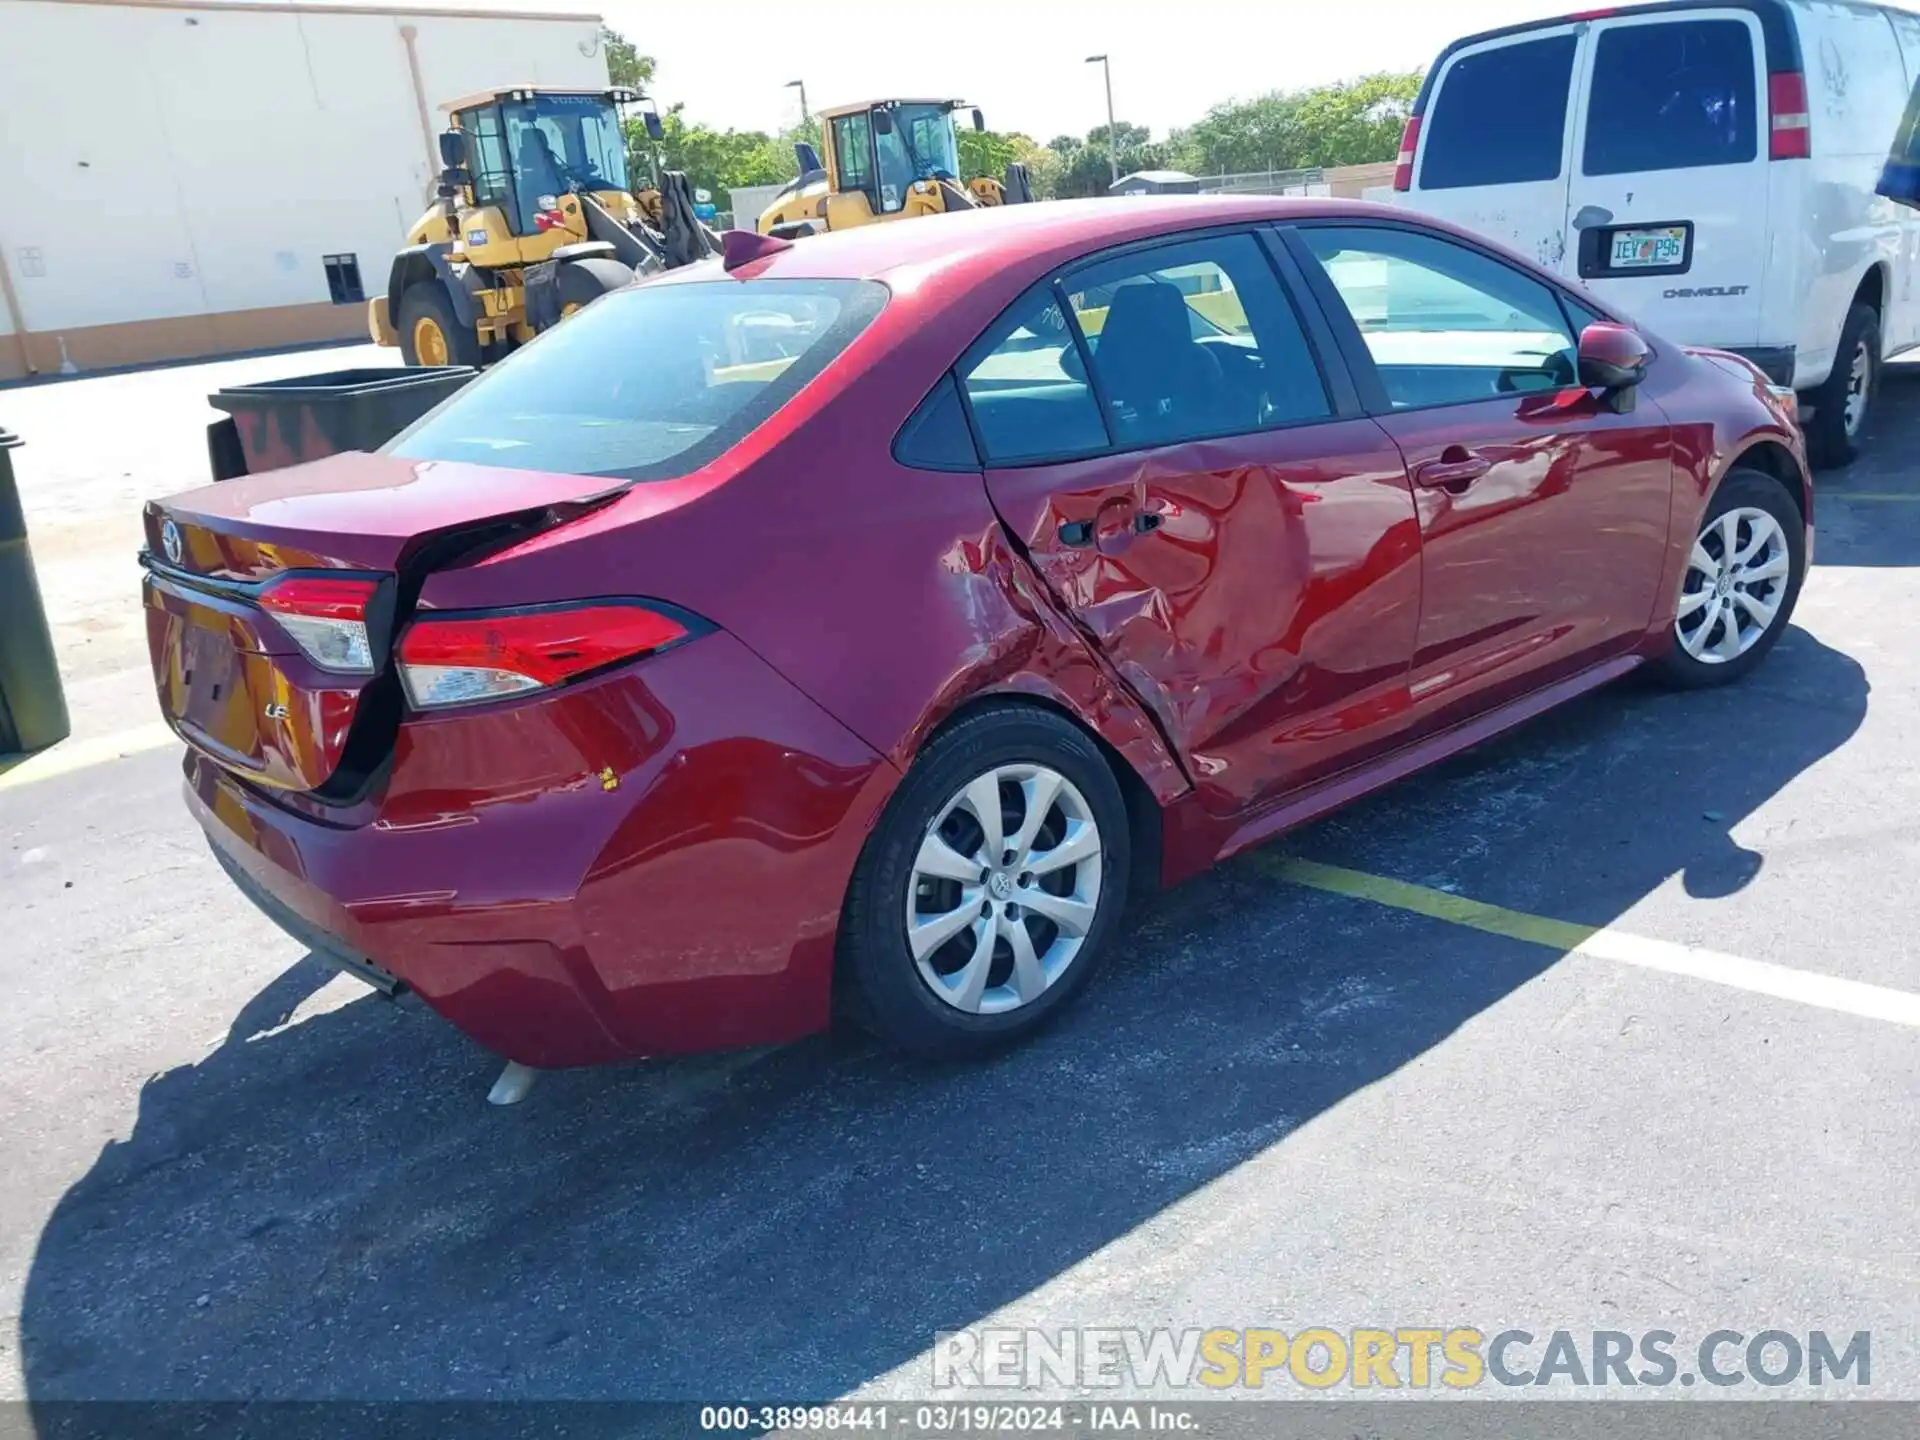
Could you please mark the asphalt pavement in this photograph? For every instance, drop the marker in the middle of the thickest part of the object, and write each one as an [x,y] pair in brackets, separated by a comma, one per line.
[229,1176]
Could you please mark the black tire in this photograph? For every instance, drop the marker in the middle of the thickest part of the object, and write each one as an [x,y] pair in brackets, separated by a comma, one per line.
[581,282]
[1830,442]
[429,299]
[1742,489]
[880,980]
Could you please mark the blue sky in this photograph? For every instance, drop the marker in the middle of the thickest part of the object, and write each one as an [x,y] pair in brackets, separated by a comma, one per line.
[1023,61]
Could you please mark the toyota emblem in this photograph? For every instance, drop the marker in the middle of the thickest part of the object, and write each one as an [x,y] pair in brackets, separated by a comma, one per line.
[170,542]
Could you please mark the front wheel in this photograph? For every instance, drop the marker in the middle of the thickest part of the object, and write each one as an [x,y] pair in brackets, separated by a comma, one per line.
[1742,579]
[581,282]
[990,889]
[430,334]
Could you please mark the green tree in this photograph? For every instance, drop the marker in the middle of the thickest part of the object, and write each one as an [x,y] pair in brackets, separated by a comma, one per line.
[1353,122]
[714,160]
[986,152]
[625,64]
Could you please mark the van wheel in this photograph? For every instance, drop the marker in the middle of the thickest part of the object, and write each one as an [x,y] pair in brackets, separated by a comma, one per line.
[991,888]
[430,334]
[1840,404]
[1742,579]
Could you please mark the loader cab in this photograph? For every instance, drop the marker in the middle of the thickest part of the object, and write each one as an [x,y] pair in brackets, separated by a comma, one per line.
[525,150]
[878,152]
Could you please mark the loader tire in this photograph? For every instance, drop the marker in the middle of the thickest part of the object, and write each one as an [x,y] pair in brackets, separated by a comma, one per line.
[581,282]
[430,333]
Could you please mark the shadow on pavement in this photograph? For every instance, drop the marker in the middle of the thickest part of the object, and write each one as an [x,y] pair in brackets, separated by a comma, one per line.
[1868,514]
[328,1209]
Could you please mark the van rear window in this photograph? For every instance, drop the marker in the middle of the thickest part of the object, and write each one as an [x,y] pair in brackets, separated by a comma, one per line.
[650,382]
[1501,116]
[1672,96]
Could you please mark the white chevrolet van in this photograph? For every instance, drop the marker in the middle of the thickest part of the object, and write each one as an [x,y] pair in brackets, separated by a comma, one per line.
[1708,169]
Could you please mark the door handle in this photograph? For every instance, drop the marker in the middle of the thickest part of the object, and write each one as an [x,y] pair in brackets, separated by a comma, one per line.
[1455,470]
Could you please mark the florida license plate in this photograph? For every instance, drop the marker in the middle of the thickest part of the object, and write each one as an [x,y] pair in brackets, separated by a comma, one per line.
[1653,249]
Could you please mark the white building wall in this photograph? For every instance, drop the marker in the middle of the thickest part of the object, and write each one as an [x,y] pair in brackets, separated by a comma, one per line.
[159,162]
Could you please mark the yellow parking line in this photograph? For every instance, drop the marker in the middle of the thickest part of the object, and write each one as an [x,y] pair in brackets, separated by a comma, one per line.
[1760,977]
[71,755]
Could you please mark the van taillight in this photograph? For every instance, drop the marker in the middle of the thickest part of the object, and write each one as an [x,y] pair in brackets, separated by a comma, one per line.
[1409,144]
[467,658]
[1792,136]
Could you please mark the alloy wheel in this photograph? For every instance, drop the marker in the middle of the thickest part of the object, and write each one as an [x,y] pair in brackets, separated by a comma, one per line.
[1004,889]
[1735,584]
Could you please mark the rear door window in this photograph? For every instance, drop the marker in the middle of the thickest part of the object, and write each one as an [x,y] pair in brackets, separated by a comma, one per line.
[1195,339]
[1500,117]
[650,382]
[1676,95]
[1028,390]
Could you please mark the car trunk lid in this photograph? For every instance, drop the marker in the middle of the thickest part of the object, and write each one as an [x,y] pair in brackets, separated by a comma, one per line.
[272,601]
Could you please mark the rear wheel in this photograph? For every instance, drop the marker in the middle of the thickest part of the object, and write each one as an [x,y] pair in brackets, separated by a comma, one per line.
[430,334]
[1840,404]
[991,888]
[1742,579]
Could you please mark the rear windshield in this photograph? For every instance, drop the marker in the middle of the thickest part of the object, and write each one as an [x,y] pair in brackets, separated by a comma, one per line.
[1673,96]
[648,383]
[1501,116]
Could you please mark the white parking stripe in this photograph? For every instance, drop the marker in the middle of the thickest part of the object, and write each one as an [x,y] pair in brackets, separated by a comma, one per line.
[1760,977]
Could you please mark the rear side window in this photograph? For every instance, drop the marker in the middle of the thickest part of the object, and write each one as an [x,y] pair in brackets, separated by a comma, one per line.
[1028,390]
[1501,116]
[650,382]
[1674,96]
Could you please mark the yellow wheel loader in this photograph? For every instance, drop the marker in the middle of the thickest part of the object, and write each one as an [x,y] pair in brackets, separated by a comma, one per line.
[885,160]
[535,218]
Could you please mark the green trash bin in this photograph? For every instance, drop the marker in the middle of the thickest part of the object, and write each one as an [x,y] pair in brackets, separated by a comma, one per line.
[33,708]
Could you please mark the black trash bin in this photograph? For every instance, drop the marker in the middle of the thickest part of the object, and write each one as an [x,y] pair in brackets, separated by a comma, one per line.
[33,708]
[286,422]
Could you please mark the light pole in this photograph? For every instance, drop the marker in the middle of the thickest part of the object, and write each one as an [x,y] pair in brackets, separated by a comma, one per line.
[805,114]
[1113,140]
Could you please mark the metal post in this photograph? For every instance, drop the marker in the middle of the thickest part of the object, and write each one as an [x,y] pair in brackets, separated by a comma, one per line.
[33,708]
[805,114]
[1113,139]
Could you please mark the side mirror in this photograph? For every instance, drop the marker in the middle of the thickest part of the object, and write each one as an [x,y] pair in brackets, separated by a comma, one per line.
[453,149]
[651,119]
[883,122]
[1613,358]
[979,121]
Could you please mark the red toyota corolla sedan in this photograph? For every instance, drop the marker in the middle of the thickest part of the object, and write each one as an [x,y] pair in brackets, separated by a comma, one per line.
[864,621]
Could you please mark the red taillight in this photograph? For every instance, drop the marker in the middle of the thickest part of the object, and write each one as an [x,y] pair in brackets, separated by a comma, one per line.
[326,616]
[1409,145]
[1792,134]
[545,220]
[463,659]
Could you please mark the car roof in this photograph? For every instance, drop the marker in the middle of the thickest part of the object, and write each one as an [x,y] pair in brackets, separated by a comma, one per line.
[1000,237]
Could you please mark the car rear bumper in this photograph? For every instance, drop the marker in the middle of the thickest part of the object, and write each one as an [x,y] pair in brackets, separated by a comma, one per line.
[612,872]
